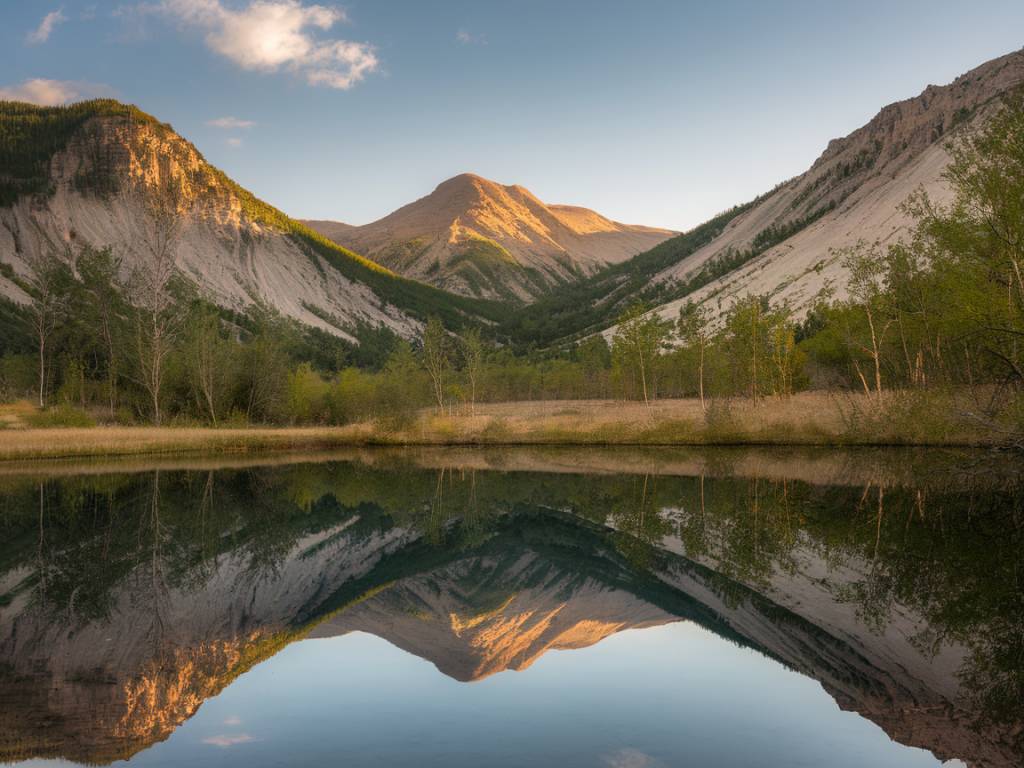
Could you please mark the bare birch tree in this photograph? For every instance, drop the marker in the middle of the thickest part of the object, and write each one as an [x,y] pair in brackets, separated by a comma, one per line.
[867,268]
[637,343]
[692,327]
[435,358]
[210,363]
[158,312]
[49,288]
[473,361]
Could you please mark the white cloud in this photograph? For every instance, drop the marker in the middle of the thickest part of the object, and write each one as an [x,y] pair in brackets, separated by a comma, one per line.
[230,123]
[270,35]
[233,720]
[42,33]
[234,141]
[224,741]
[466,37]
[49,93]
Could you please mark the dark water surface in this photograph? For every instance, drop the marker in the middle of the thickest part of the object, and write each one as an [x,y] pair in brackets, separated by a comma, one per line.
[511,608]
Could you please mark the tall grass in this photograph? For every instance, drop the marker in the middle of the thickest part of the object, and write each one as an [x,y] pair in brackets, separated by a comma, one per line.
[808,419]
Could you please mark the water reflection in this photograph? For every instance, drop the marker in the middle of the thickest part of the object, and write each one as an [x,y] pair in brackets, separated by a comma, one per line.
[129,598]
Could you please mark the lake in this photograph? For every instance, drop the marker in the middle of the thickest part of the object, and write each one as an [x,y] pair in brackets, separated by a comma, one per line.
[511,607]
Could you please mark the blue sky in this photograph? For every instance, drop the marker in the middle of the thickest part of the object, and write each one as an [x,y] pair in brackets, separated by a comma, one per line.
[653,112]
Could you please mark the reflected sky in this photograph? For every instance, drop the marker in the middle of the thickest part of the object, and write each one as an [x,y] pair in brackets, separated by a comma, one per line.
[664,696]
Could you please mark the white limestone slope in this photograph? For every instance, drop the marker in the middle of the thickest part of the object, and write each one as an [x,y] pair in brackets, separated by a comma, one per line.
[232,258]
[855,190]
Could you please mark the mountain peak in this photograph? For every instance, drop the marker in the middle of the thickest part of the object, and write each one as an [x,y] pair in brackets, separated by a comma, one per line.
[474,236]
[465,179]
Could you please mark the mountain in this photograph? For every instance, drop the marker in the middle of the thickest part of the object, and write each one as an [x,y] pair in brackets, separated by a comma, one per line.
[478,238]
[786,244]
[93,174]
[483,615]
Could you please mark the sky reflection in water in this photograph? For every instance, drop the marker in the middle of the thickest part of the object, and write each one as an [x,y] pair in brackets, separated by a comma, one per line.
[663,696]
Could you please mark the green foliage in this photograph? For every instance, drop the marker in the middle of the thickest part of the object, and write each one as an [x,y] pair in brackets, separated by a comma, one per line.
[14,329]
[761,345]
[639,340]
[594,356]
[416,298]
[485,266]
[308,396]
[60,416]
[19,375]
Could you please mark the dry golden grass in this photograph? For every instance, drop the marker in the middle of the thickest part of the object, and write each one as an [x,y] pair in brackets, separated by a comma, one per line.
[13,415]
[810,418]
[127,441]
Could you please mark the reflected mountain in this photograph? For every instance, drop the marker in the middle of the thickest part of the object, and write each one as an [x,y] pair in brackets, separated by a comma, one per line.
[128,599]
[496,610]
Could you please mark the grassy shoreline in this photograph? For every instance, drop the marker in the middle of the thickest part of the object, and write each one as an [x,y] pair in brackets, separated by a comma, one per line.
[807,419]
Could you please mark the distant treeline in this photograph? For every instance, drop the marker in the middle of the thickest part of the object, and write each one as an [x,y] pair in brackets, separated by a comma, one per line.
[943,310]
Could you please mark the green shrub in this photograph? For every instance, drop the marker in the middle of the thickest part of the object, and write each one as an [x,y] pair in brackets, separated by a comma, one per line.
[60,416]
[235,420]
[124,417]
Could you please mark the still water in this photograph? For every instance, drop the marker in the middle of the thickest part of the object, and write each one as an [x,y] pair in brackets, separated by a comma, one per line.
[515,607]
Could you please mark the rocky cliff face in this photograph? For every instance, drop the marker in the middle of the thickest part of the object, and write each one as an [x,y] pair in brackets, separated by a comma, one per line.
[478,238]
[104,186]
[853,192]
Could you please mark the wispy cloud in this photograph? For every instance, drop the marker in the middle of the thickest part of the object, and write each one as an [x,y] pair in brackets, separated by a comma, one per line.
[49,93]
[233,720]
[234,141]
[42,33]
[230,123]
[271,35]
[466,37]
[224,740]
